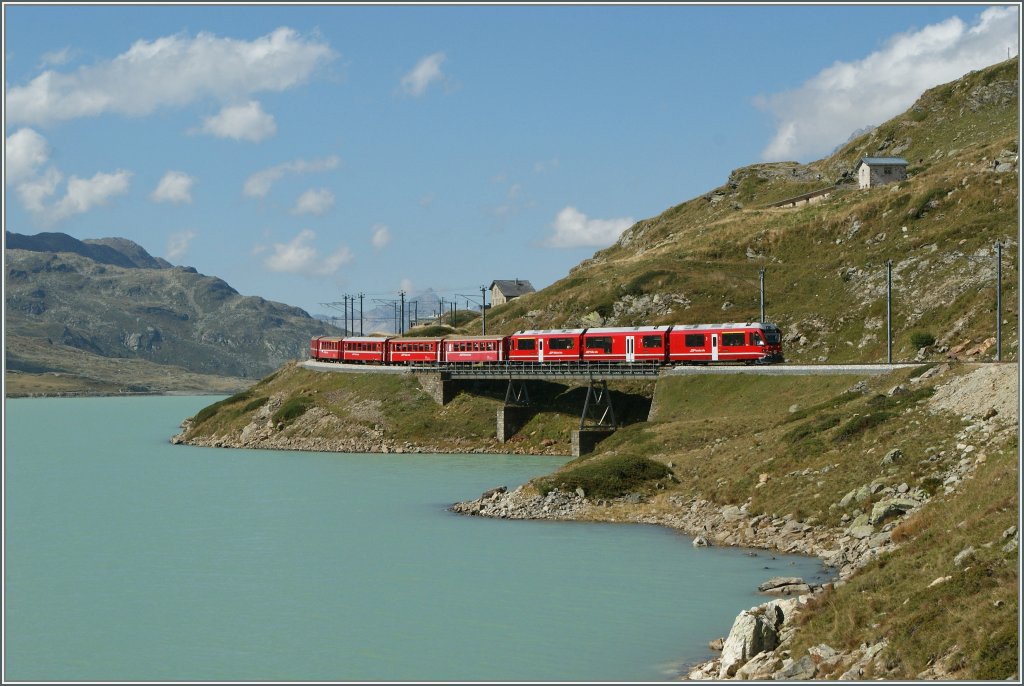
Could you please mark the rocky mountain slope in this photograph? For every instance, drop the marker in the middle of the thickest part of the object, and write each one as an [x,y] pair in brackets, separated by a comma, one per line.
[69,302]
[825,263]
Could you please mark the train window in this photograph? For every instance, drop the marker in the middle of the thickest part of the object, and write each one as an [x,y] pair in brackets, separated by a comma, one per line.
[755,338]
[652,341]
[526,344]
[599,343]
[561,344]
[694,340]
[490,345]
[732,339]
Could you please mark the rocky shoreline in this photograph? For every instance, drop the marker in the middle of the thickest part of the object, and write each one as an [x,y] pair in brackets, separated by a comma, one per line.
[758,645]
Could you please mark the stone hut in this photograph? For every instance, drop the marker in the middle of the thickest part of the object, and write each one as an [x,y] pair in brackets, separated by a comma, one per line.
[503,291]
[879,171]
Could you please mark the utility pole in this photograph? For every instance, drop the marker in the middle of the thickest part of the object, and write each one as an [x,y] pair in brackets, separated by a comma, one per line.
[344,309]
[361,313]
[401,294]
[888,308]
[762,294]
[440,311]
[999,301]
[453,313]
[483,311]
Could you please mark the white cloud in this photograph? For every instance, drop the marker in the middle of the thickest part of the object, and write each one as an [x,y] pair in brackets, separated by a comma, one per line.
[25,151]
[314,201]
[820,114]
[381,236]
[259,184]
[83,195]
[405,285]
[246,122]
[177,244]
[36,190]
[174,187]
[169,72]
[426,72]
[299,257]
[573,229]
[426,200]
[55,58]
[25,155]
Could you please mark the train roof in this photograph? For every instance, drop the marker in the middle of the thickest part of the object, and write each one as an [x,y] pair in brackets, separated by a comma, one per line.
[367,339]
[628,329]
[495,337]
[733,325]
[546,332]
[418,338]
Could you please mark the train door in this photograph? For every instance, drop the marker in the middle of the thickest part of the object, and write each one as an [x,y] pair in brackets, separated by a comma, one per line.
[714,347]
[630,348]
[540,349]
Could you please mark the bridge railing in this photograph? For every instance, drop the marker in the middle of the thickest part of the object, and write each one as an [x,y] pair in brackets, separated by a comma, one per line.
[505,370]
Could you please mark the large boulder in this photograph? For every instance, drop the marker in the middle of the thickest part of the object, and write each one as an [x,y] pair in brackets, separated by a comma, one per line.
[751,633]
[891,507]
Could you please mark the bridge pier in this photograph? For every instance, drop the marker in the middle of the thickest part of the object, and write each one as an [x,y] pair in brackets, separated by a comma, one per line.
[438,386]
[597,421]
[516,411]
[585,440]
[511,419]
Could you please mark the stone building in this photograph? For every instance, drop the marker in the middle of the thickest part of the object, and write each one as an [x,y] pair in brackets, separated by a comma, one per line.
[503,291]
[879,171]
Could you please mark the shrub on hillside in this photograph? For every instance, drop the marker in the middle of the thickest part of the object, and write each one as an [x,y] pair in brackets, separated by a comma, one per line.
[921,339]
[292,409]
[610,477]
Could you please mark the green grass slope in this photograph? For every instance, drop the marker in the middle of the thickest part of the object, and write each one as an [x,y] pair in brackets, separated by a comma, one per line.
[825,263]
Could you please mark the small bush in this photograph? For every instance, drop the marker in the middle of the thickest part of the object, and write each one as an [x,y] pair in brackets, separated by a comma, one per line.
[607,478]
[931,485]
[921,339]
[292,409]
[859,425]
[211,410]
[254,404]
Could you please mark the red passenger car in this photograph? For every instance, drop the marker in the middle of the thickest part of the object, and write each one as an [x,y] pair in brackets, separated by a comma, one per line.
[472,349]
[626,344]
[742,342]
[414,350]
[365,349]
[325,348]
[560,345]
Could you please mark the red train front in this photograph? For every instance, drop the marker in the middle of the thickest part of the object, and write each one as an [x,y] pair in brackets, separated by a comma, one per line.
[741,342]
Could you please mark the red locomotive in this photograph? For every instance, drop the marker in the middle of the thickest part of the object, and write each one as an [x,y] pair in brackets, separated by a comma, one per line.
[748,342]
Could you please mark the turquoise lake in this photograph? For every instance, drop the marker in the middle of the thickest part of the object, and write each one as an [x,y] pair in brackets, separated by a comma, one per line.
[131,559]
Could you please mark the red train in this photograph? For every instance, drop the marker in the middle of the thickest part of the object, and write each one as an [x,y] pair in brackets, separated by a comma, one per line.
[695,344]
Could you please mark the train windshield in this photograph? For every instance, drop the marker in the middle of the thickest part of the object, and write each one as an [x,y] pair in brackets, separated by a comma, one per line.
[773,337]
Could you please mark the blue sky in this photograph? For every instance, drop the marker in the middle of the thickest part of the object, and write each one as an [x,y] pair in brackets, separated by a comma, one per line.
[302,153]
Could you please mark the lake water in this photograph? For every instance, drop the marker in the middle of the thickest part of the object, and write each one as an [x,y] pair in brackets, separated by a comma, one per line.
[128,558]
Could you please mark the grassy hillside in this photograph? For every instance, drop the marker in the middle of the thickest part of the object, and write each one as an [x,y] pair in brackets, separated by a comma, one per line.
[825,263]
[299,408]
